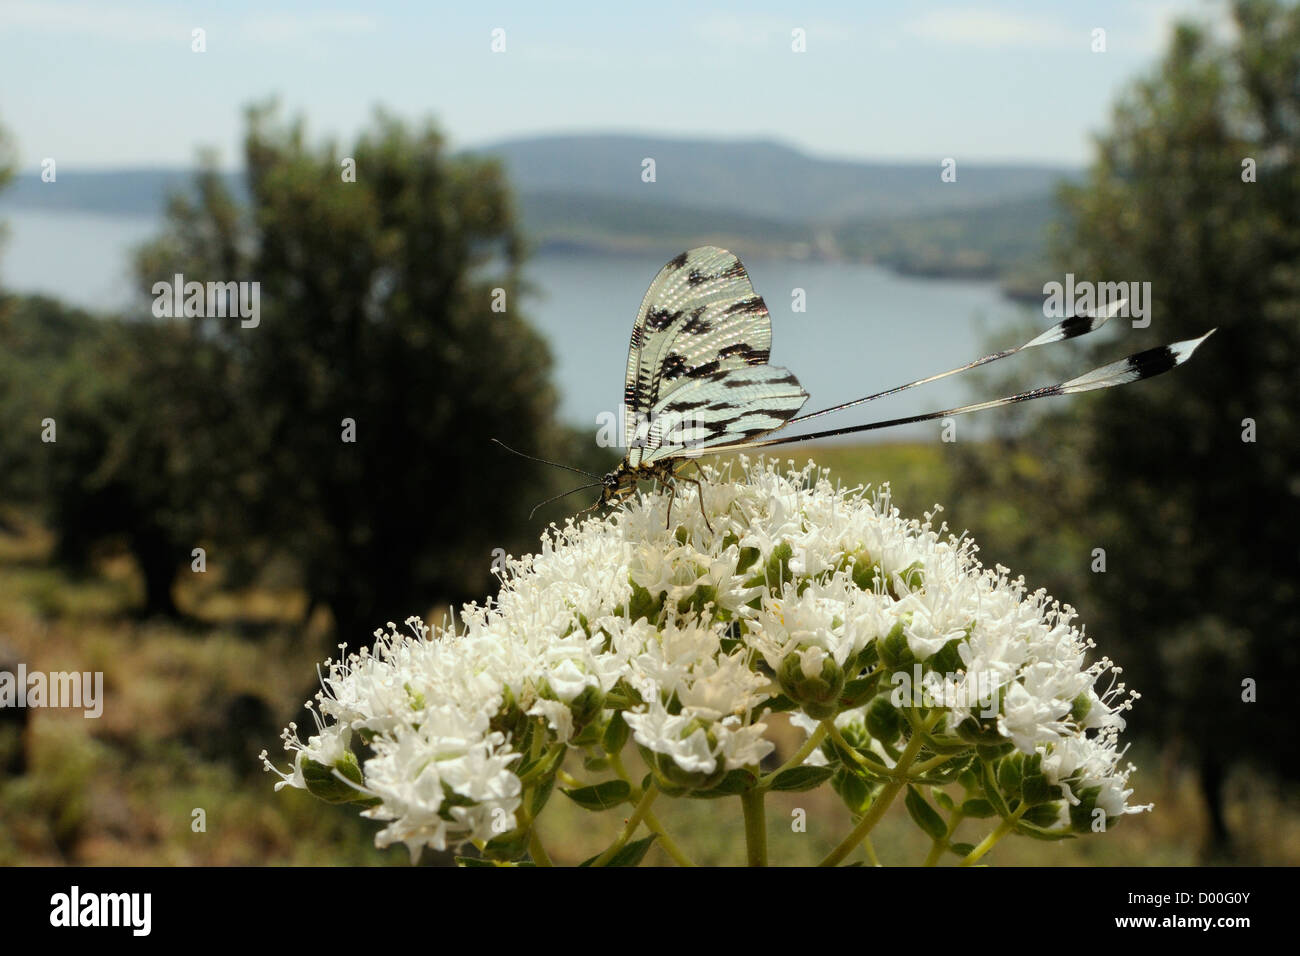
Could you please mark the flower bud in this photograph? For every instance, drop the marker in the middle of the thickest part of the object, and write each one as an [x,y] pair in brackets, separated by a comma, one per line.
[323,783]
[883,720]
[812,679]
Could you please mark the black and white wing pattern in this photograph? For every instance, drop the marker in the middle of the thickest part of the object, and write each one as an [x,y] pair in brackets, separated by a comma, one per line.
[697,372]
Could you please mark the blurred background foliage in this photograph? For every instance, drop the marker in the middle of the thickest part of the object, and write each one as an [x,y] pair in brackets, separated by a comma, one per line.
[376,306]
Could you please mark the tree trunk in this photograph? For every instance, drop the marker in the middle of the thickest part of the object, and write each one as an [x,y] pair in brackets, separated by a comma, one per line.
[158,562]
[1212,775]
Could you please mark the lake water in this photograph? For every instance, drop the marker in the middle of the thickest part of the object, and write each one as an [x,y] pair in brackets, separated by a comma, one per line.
[864,328]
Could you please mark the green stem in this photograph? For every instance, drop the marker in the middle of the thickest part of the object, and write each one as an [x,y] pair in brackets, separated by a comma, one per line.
[668,843]
[755,826]
[871,851]
[629,828]
[812,743]
[990,841]
[651,821]
[535,848]
[849,749]
[927,765]
[881,803]
[941,843]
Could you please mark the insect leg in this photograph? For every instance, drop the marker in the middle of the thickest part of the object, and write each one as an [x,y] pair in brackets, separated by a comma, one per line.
[699,488]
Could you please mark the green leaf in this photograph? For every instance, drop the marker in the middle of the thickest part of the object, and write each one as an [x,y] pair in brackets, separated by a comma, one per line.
[991,790]
[961,849]
[780,703]
[978,808]
[802,778]
[1039,833]
[541,795]
[630,854]
[924,815]
[601,796]
[1043,815]
[858,691]
[733,784]
[1037,790]
[507,846]
[853,790]
[943,800]
[616,733]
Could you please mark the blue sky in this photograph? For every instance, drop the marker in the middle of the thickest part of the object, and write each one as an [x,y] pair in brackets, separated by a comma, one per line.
[112,85]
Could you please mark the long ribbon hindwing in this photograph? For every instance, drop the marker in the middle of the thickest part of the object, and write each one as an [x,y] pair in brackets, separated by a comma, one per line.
[698,382]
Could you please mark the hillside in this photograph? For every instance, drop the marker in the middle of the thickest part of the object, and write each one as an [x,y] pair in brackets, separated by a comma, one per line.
[587,192]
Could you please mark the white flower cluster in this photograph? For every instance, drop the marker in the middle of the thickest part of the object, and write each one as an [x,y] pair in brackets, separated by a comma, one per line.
[793,595]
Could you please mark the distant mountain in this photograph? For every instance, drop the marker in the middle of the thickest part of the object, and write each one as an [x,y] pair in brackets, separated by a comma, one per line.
[587,192]
[127,192]
[758,178]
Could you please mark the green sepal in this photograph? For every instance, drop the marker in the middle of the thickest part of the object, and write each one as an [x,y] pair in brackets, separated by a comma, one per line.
[747,558]
[912,578]
[893,647]
[643,604]
[776,572]
[865,571]
[1080,709]
[947,659]
[1081,812]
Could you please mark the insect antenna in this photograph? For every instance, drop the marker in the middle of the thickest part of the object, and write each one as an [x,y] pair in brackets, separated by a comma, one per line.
[564,494]
[554,464]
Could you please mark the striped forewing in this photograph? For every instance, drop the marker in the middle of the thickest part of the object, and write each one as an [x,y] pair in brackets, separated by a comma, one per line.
[735,405]
[699,323]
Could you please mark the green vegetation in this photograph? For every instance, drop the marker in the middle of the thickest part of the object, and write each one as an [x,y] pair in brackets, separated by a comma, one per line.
[1188,482]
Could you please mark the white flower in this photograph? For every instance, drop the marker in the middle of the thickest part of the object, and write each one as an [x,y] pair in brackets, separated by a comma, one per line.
[692,631]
